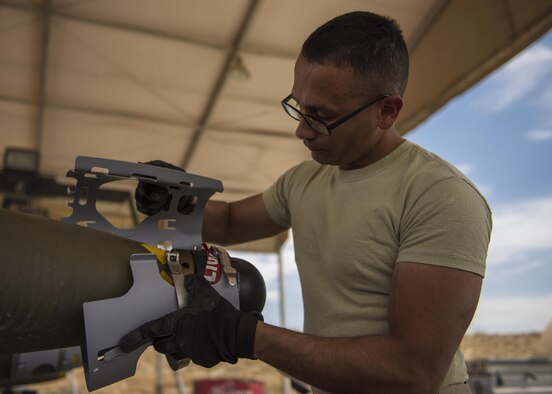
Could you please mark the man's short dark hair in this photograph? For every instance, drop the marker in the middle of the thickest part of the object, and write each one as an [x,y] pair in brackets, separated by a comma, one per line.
[372,45]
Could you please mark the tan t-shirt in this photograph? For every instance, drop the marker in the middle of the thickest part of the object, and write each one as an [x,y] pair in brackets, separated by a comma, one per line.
[350,228]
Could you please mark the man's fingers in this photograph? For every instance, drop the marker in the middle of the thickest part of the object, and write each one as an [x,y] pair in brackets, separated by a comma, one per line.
[152,198]
[202,295]
[132,341]
[150,201]
[151,194]
[165,346]
[197,285]
[146,333]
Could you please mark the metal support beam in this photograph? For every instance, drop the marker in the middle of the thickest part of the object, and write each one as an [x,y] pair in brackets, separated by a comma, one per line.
[286,381]
[98,111]
[42,73]
[60,12]
[215,94]
[144,118]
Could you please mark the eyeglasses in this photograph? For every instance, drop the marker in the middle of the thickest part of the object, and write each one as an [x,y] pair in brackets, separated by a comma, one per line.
[319,125]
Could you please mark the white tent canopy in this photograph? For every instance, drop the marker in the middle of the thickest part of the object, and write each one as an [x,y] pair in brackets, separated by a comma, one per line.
[138,80]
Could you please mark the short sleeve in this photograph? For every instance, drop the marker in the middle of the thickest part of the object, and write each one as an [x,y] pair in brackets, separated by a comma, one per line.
[276,201]
[448,225]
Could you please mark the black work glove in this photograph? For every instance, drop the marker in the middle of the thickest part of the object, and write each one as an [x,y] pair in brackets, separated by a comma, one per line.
[151,198]
[208,330]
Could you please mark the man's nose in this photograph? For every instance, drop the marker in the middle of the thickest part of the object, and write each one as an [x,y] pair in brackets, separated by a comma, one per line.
[303,131]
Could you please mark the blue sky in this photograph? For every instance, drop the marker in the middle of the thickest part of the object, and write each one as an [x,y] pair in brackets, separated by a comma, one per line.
[499,133]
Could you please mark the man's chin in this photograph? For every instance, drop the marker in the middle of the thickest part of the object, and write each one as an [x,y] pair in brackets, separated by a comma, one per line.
[320,157]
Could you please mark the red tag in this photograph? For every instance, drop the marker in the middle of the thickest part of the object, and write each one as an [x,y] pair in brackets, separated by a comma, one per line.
[228,386]
[212,269]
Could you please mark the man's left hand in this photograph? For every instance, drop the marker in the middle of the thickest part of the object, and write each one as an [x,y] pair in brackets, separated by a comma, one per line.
[208,330]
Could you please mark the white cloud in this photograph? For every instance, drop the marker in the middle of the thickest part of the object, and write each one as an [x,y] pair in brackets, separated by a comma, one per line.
[486,189]
[539,135]
[528,265]
[520,228]
[512,314]
[465,168]
[272,296]
[515,80]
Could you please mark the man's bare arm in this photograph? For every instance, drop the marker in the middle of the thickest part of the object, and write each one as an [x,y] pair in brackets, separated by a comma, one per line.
[241,221]
[430,309]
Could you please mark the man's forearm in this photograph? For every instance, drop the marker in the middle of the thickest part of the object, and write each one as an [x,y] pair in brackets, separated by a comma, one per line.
[374,364]
[239,221]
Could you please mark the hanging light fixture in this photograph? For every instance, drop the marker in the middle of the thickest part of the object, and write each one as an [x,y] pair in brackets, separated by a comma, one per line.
[238,71]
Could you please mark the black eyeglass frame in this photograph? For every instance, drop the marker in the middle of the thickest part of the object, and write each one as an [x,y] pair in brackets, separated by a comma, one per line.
[328,126]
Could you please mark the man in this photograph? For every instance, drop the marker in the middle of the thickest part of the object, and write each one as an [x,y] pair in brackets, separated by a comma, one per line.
[390,240]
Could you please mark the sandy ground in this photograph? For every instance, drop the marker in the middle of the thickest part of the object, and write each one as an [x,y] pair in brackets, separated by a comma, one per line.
[473,346]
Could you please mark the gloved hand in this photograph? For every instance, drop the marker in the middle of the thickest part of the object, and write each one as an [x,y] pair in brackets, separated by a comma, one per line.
[151,198]
[208,330]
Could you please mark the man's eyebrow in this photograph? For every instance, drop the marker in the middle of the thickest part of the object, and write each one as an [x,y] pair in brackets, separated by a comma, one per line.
[314,107]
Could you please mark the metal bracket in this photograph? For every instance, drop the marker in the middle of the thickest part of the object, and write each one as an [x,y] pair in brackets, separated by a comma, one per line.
[218,272]
[178,272]
[182,231]
[224,259]
[106,321]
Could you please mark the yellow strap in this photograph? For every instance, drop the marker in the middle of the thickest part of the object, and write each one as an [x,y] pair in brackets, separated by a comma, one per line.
[160,254]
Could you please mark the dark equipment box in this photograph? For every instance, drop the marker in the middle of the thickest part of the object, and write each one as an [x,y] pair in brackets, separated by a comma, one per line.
[511,376]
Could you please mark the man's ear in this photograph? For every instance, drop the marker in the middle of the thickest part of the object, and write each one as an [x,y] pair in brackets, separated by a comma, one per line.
[389,110]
